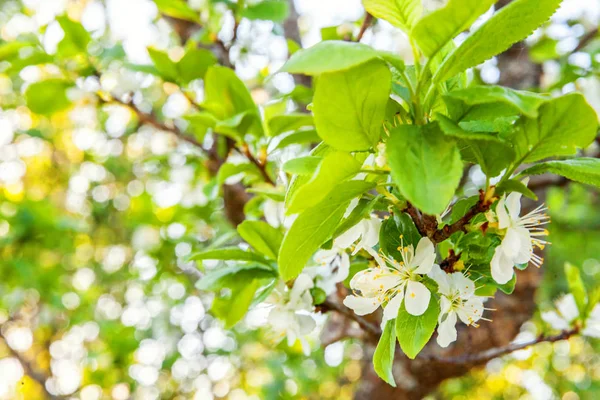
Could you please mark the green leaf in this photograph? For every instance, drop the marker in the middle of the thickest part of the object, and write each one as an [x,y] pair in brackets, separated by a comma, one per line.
[272,10]
[220,278]
[383,358]
[414,332]
[48,97]
[514,185]
[166,67]
[334,168]
[11,49]
[290,122]
[425,165]
[228,170]
[302,165]
[563,125]
[229,254]
[527,103]
[262,237]
[233,308]
[194,64]
[177,9]
[398,225]
[433,31]
[315,226]
[585,169]
[300,137]
[403,14]
[322,150]
[349,106]
[75,40]
[511,24]
[268,192]
[576,287]
[460,208]
[329,56]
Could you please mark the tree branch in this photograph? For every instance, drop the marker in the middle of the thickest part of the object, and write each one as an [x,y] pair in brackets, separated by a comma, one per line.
[372,329]
[586,39]
[363,28]
[490,354]
[262,166]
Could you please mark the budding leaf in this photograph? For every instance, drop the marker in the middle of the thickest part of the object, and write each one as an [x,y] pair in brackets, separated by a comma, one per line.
[415,331]
[349,106]
[425,165]
[383,358]
[314,226]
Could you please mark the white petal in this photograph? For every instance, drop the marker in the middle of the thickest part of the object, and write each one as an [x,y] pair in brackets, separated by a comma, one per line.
[502,266]
[302,284]
[567,307]
[592,330]
[526,249]
[503,219]
[511,244]
[447,329]
[424,256]
[351,206]
[347,238]
[325,256]
[441,278]
[471,311]
[280,319]
[390,311]
[362,305]
[371,235]
[305,324]
[343,269]
[513,204]
[416,298]
[554,320]
[464,285]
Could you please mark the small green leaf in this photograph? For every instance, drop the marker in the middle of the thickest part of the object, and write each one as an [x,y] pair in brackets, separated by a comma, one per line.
[177,9]
[512,23]
[349,106]
[436,29]
[302,165]
[527,103]
[515,185]
[223,277]
[585,169]
[166,67]
[414,332]
[576,286]
[233,308]
[262,237]
[229,254]
[75,40]
[403,14]
[329,56]
[333,169]
[314,226]
[425,165]
[399,225]
[272,10]
[383,358]
[48,97]
[300,137]
[194,64]
[289,122]
[563,125]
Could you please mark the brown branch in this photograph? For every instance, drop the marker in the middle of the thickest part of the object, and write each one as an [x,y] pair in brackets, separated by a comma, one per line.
[370,328]
[262,166]
[363,28]
[586,39]
[482,205]
[490,354]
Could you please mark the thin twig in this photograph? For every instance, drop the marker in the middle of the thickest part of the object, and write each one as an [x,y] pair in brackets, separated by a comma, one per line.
[363,28]
[490,354]
[262,167]
[367,326]
[587,38]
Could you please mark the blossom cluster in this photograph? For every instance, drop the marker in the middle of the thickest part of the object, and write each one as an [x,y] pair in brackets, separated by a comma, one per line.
[413,280]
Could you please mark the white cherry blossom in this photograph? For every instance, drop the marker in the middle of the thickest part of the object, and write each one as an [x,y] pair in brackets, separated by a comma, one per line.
[567,312]
[521,235]
[457,299]
[290,316]
[391,282]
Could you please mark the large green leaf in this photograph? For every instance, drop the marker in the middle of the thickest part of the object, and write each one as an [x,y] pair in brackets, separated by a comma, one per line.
[392,230]
[329,56]
[302,165]
[383,358]
[315,226]
[335,167]
[585,169]
[414,332]
[289,122]
[433,31]
[322,150]
[563,125]
[349,106]
[526,103]
[262,237]
[403,14]
[194,64]
[425,165]
[49,96]
[512,23]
